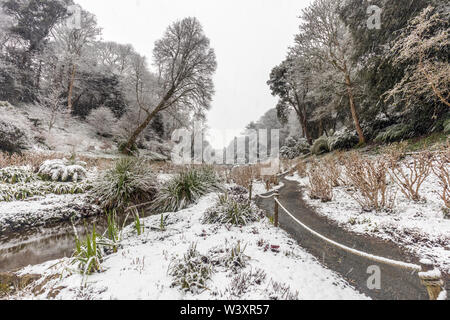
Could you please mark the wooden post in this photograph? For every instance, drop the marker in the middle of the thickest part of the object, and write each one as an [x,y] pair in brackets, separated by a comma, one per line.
[276,211]
[250,189]
[431,278]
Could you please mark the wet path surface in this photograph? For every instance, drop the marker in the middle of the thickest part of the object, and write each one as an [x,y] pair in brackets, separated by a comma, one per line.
[396,284]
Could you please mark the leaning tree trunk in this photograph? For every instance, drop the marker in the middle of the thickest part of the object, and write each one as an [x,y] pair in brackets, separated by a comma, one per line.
[132,140]
[348,84]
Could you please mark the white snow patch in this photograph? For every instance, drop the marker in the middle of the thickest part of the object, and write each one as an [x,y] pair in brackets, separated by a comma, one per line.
[140,269]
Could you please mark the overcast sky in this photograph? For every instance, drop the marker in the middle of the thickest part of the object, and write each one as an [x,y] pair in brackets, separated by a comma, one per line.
[250,37]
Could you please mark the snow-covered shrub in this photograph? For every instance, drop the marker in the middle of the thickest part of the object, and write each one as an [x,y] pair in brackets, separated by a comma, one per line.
[332,171]
[129,182]
[235,258]
[320,146]
[301,168]
[367,181]
[185,189]
[279,291]
[234,210]
[242,283]
[14,175]
[395,133]
[103,120]
[294,148]
[343,139]
[441,171]
[62,170]
[192,272]
[23,191]
[320,186]
[14,137]
[411,174]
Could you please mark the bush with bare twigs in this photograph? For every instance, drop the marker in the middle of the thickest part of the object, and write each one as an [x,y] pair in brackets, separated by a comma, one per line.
[332,171]
[412,174]
[301,168]
[319,186]
[368,181]
[440,169]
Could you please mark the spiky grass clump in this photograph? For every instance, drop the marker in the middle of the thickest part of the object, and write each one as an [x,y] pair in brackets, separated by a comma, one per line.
[185,189]
[129,182]
[234,210]
[192,272]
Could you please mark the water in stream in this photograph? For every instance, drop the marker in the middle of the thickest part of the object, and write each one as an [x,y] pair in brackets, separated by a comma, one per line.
[35,246]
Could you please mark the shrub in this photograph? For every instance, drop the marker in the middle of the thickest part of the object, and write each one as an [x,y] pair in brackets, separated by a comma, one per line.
[441,172]
[192,272]
[447,126]
[62,170]
[294,148]
[234,210]
[13,136]
[413,175]
[14,175]
[369,180]
[243,176]
[394,133]
[243,281]
[235,258]
[102,119]
[301,168]
[343,139]
[185,189]
[320,146]
[129,182]
[319,186]
[332,171]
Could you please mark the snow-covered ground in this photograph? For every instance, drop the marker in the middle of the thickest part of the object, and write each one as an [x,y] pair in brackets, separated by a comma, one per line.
[419,227]
[140,269]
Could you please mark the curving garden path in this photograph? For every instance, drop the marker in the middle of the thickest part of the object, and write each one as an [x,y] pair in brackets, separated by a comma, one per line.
[396,284]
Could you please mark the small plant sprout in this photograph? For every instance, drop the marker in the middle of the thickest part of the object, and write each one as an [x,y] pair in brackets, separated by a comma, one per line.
[138,224]
[88,254]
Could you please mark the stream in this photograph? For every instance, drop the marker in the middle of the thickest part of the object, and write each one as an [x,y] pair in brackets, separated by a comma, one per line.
[39,245]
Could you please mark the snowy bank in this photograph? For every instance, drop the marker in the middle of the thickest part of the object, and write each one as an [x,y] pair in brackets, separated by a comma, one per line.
[277,267]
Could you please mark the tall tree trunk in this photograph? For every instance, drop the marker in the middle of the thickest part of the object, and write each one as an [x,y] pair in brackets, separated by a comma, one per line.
[301,112]
[70,94]
[349,86]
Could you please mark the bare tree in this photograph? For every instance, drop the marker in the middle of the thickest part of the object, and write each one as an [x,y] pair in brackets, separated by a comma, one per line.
[53,100]
[324,39]
[73,40]
[418,50]
[185,64]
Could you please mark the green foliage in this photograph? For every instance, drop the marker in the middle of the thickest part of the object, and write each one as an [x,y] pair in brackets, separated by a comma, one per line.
[320,146]
[14,175]
[88,253]
[232,209]
[344,139]
[185,189]
[394,133]
[23,191]
[192,272]
[138,225]
[447,126]
[235,258]
[130,182]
